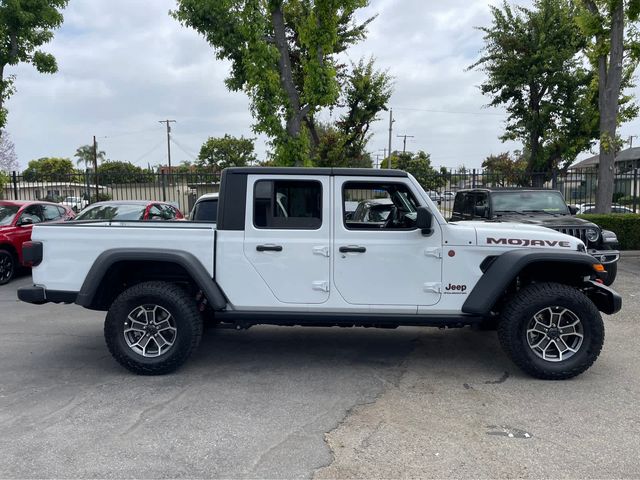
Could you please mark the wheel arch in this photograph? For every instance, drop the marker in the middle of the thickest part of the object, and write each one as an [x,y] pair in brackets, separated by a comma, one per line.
[505,270]
[117,269]
[10,248]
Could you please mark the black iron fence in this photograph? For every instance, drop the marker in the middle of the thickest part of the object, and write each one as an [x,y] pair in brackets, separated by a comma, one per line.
[182,189]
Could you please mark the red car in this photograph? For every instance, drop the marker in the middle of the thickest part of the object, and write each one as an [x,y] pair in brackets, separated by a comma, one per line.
[16,221]
[130,210]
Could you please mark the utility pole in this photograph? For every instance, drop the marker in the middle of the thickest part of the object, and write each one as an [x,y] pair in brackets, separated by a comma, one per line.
[168,140]
[404,146]
[391,120]
[95,168]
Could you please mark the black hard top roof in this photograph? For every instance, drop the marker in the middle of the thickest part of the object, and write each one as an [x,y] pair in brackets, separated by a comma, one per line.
[330,171]
[508,189]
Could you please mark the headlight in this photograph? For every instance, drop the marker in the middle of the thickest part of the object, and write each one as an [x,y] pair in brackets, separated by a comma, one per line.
[592,235]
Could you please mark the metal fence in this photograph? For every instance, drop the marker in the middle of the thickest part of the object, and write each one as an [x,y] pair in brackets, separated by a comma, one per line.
[182,189]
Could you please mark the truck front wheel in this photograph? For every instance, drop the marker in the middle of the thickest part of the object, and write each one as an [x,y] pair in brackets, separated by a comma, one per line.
[152,328]
[551,331]
[612,273]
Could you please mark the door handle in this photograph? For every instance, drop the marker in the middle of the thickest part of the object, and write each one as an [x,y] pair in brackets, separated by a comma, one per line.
[269,248]
[352,249]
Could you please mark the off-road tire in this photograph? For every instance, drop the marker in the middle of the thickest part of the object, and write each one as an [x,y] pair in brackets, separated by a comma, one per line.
[612,273]
[173,299]
[10,264]
[512,330]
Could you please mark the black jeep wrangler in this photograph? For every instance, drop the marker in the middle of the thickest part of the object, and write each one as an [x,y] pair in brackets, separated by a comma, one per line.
[546,208]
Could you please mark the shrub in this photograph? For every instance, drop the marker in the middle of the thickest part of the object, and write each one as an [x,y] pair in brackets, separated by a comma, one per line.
[625,226]
[624,200]
[102,197]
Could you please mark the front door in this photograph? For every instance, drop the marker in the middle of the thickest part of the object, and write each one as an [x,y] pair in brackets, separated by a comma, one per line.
[380,257]
[287,236]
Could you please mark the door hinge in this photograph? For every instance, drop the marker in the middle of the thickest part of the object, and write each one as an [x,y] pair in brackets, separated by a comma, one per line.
[432,287]
[321,286]
[433,252]
[324,251]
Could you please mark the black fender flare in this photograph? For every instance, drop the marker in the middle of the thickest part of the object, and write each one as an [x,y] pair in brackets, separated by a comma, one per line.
[506,267]
[188,261]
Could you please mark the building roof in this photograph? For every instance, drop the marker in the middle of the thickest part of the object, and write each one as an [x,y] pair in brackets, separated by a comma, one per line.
[630,154]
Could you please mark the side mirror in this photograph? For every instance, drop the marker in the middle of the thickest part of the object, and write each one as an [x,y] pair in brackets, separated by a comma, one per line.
[573,209]
[424,219]
[25,221]
[480,211]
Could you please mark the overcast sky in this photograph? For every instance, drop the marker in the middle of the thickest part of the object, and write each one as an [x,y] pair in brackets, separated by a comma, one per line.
[125,64]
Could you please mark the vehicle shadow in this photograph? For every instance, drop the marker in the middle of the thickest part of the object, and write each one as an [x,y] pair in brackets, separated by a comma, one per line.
[464,351]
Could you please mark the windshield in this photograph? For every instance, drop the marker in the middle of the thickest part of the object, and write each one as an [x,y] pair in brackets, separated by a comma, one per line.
[113,212]
[8,213]
[529,201]
[205,211]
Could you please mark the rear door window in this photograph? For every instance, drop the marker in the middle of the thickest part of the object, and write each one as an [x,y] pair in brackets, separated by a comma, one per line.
[287,204]
[50,213]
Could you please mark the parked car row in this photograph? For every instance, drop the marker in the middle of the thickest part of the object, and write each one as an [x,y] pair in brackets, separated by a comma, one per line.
[16,221]
[18,217]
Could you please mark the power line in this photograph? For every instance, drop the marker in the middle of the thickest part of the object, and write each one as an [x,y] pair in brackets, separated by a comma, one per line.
[184,149]
[158,145]
[450,112]
[125,134]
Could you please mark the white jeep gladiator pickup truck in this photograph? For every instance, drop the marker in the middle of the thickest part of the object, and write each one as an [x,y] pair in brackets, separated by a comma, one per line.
[284,252]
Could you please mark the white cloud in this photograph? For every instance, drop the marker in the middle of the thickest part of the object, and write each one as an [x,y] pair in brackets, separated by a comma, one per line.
[125,64]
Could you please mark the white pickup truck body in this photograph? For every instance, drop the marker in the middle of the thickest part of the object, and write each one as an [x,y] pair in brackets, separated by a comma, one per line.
[313,266]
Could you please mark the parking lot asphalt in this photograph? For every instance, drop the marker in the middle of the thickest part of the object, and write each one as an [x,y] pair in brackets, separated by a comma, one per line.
[275,402]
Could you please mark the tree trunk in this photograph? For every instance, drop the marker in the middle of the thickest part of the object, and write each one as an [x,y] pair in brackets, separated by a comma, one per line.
[610,82]
[295,113]
[313,131]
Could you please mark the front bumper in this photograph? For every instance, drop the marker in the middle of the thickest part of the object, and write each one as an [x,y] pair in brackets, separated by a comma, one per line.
[605,299]
[605,257]
[38,295]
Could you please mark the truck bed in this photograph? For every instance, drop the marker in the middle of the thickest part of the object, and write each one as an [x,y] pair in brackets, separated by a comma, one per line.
[72,248]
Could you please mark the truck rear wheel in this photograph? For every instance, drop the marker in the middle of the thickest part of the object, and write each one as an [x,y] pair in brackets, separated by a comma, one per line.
[152,328]
[551,331]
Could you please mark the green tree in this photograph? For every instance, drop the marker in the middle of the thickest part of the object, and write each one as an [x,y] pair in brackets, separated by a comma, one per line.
[614,54]
[532,58]
[334,150]
[366,94]
[283,55]
[504,170]
[84,155]
[112,172]
[49,169]
[24,27]
[419,165]
[224,152]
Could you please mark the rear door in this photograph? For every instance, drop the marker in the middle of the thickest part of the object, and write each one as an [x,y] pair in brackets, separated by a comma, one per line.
[287,236]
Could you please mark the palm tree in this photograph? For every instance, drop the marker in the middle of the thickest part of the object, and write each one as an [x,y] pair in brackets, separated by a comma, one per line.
[84,154]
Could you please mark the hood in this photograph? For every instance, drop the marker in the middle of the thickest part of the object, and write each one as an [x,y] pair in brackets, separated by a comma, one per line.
[543,219]
[493,234]
[6,228]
